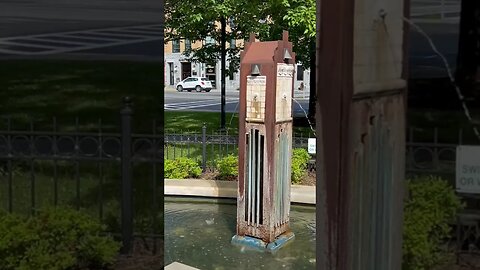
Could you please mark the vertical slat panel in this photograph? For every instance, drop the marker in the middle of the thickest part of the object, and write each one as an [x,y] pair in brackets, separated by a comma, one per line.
[258,180]
[249,188]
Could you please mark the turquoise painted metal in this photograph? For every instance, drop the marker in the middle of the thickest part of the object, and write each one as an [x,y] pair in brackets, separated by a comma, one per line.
[261,246]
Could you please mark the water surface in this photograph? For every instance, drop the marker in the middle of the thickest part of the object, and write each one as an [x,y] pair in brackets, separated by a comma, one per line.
[198,233]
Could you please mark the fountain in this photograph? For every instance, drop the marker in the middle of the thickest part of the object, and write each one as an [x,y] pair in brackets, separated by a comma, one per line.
[265,144]
[198,231]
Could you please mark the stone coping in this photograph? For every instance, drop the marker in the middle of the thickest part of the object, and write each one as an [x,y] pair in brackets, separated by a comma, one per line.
[228,189]
[179,266]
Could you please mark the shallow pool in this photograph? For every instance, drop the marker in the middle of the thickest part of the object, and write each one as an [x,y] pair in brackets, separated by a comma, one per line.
[198,233]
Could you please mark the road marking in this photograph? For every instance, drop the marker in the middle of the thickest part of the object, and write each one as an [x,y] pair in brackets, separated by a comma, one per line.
[84,40]
[196,104]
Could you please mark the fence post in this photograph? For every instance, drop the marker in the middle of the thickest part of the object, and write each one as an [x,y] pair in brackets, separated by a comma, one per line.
[126,198]
[204,147]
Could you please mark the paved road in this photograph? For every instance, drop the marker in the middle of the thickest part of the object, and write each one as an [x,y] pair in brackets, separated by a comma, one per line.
[95,28]
[210,102]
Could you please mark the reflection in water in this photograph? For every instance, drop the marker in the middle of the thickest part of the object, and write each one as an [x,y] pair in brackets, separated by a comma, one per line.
[198,233]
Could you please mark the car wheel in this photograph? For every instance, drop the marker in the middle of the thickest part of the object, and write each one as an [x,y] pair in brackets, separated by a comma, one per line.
[198,88]
[179,88]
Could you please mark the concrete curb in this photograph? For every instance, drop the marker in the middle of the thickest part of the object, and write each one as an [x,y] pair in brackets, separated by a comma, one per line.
[228,189]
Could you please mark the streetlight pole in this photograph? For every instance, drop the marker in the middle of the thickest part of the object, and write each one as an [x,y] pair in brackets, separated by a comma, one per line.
[222,72]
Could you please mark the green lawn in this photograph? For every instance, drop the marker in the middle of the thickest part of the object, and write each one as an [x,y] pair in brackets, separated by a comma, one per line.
[192,122]
[89,90]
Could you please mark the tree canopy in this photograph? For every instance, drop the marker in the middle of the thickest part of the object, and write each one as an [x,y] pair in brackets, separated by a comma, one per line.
[198,21]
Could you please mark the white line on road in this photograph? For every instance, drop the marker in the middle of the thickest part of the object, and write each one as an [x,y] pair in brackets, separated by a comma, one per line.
[175,107]
[113,38]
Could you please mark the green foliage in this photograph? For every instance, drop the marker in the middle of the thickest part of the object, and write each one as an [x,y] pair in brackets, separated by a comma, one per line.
[429,208]
[300,158]
[54,239]
[199,20]
[228,167]
[181,168]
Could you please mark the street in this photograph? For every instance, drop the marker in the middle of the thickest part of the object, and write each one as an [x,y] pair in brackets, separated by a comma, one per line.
[128,29]
[210,102]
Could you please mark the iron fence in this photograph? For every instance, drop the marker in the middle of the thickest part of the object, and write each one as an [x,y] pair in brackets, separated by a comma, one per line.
[207,148]
[116,176]
[426,154]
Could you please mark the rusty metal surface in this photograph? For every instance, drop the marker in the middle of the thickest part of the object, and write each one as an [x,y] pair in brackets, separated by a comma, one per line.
[360,154]
[334,92]
[378,158]
[274,195]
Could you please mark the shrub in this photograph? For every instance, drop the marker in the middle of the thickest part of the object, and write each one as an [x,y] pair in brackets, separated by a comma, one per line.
[228,167]
[181,168]
[429,208]
[300,158]
[54,239]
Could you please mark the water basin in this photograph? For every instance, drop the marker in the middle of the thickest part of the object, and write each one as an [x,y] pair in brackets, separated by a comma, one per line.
[198,233]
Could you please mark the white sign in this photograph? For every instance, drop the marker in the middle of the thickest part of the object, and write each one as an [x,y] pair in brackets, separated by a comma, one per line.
[468,169]
[312,145]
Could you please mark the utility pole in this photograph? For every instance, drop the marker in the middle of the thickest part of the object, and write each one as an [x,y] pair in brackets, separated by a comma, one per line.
[222,72]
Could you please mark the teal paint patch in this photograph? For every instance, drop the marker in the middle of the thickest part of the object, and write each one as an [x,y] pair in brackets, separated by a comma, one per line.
[259,245]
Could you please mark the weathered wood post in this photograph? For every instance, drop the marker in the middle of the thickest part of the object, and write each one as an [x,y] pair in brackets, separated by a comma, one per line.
[265,144]
[361,91]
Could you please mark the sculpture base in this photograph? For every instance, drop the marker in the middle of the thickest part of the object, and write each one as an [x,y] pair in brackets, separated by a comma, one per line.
[259,245]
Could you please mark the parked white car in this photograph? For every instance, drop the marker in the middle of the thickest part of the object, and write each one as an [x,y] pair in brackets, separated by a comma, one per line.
[198,84]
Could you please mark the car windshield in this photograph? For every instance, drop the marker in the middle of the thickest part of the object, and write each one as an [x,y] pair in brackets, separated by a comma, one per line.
[204,79]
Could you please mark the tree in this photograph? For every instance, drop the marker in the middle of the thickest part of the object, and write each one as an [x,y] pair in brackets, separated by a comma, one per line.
[199,20]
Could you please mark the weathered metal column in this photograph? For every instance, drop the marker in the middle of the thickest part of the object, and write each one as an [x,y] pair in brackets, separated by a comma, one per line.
[361,90]
[265,144]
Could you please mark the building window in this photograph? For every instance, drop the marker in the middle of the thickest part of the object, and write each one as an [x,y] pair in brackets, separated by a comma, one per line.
[299,73]
[188,45]
[175,46]
[232,44]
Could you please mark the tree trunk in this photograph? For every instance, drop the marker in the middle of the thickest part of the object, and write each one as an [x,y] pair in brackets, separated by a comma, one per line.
[468,57]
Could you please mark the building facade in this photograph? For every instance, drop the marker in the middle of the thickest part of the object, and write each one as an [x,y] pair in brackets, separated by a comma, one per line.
[178,67]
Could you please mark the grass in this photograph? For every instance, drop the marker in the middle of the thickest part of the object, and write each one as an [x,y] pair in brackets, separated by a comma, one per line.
[192,122]
[89,90]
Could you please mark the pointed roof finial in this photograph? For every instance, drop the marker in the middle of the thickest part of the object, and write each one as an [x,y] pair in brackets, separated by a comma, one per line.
[285,36]
[252,37]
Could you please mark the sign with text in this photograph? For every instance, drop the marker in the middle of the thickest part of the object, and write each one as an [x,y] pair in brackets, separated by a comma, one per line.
[312,145]
[468,169]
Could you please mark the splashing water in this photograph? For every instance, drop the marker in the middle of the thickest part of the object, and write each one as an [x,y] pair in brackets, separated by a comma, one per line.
[306,115]
[233,114]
